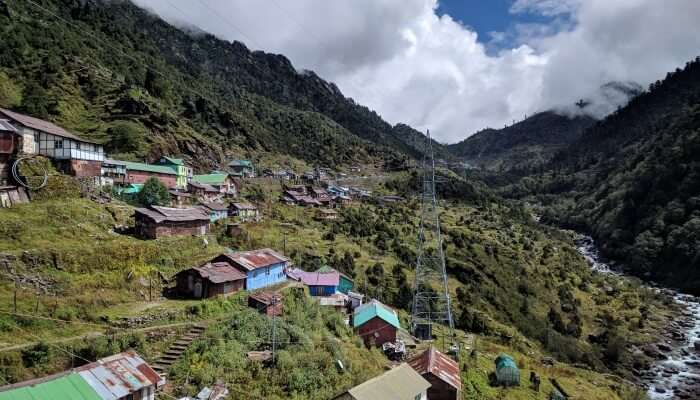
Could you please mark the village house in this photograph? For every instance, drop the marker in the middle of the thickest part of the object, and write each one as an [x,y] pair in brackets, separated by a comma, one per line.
[204,192]
[72,154]
[325,214]
[222,182]
[338,301]
[319,283]
[182,171]
[180,199]
[399,383]
[121,376]
[216,211]
[355,300]
[267,303]
[441,372]
[244,211]
[341,201]
[345,283]
[209,280]
[113,172]
[138,173]
[263,267]
[244,168]
[156,221]
[376,323]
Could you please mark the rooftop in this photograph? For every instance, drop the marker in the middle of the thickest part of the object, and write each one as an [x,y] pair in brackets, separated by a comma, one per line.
[436,363]
[6,126]
[215,206]
[41,125]
[331,278]
[266,297]
[399,383]
[240,163]
[162,214]
[218,272]
[159,169]
[243,206]
[171,160]
[254,259]
[210,179]
[374,309]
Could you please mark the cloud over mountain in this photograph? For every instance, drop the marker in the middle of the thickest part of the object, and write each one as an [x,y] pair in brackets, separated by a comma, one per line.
[411,65]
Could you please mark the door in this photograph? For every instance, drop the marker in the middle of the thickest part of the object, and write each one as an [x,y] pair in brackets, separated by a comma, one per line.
[198,290]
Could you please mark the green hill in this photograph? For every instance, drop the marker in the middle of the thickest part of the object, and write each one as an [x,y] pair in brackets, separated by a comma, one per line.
[95,66]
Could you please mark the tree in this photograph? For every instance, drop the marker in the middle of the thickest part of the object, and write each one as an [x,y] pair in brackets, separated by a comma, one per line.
[125,137]
[154,192]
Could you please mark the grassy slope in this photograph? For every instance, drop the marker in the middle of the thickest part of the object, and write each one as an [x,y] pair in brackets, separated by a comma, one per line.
[69,242]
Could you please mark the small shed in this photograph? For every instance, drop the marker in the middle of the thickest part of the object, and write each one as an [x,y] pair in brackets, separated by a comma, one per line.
[216,211]
[441,371]
[376,323]
[507,372]
[267,303]
[156,221]
[209,280]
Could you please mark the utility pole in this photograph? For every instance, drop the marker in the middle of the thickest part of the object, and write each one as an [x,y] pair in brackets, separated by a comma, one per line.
[273,302]
[431,298]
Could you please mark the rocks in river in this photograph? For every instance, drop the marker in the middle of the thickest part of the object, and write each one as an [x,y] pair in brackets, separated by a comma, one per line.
[696,345]
[652,351]
[663,347]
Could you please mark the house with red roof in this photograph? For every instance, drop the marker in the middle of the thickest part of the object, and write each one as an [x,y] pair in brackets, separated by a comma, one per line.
[441,372]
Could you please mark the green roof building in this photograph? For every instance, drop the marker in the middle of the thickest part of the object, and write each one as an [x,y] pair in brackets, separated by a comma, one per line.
[507,372]
[68,387]
[243,167]
[184,173]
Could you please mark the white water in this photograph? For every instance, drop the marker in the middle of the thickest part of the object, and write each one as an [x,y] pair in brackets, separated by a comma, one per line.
[682,368]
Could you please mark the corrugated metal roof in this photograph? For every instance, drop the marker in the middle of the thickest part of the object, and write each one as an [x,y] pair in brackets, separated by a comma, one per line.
[334,300]
[203,186]
[373,309]
[5,125]
[215,206]
[240,163]
[41,125]
[218,272]
[119,375]
[266,297]
[63,386]
[243,206]
[436,363]
[171,160]
[254,259]
[400,383]
[210,179]
[159,169]
[161,214]
[318,278]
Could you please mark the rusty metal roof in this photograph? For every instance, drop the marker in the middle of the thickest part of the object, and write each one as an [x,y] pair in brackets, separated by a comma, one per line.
[41,125]
[218,272]
[119,375]
[436,363]
[254,259]
[266,297]
[163,214]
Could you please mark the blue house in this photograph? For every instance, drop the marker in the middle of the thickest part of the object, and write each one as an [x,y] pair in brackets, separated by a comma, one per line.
[320,283]
[216,211]
[263,267]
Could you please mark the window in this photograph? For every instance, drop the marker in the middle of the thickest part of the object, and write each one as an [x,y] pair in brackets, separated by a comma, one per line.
[77,145]
[267,271]
[58,144]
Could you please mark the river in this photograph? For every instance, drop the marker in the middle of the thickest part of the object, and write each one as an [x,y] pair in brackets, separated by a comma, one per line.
[676,372]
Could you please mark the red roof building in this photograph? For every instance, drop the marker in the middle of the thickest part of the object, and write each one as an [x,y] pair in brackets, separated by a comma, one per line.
[441,371]
[267,303]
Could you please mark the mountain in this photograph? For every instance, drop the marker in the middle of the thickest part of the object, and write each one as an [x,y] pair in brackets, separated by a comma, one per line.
[97,66]
[533,141]
[530,142]
[633,182]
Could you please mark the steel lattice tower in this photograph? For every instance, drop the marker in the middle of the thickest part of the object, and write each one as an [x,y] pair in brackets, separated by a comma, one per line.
[431,298]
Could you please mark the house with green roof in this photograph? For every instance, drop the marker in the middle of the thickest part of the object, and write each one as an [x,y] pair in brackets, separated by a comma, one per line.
[376,323]
[221,181]
[184,173]
[243,168]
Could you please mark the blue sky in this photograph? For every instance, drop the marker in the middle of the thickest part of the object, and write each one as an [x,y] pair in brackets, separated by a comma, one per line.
[485,16]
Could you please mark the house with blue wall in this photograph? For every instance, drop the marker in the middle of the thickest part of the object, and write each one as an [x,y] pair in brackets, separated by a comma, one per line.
[263,267]
[320,283]
[216,211]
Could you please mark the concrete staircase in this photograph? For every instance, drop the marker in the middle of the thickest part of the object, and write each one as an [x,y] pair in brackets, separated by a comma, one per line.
[174,352]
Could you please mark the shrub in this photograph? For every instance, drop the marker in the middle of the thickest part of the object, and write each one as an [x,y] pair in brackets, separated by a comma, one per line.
[153,192]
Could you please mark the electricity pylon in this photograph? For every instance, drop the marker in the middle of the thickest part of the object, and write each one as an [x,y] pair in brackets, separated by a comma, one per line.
[431,298]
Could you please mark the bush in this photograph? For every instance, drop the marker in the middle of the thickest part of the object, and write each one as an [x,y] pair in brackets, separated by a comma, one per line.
[154,192]
[125,137]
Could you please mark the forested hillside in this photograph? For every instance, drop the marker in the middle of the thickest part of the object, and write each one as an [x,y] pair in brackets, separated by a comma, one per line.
[633,181]
[125,77]
[528,143]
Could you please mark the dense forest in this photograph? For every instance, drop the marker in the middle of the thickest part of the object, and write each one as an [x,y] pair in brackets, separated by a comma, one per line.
[633,181]
[122,76]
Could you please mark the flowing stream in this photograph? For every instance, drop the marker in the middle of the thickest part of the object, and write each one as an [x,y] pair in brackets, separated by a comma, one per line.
[675,373]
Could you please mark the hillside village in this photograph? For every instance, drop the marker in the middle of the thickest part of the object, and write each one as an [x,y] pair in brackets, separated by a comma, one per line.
[199,204]
[186,216]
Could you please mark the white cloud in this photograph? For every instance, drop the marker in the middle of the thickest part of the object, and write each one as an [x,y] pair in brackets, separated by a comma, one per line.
[401,59]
